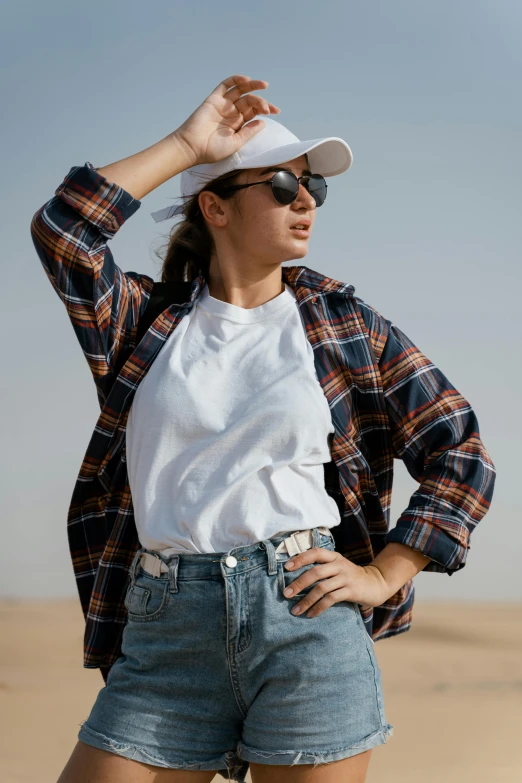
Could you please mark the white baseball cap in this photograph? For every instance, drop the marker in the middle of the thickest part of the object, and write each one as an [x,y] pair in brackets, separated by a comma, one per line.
[272,145]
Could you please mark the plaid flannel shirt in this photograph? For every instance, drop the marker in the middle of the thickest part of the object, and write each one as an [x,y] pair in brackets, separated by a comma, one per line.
[387,400]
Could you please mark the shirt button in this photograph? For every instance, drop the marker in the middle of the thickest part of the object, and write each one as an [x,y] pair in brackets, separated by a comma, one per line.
[231,561]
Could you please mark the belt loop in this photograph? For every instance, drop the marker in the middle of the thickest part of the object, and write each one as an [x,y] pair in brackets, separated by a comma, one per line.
[316,543]
[173,573]
[270,551]
[134,564]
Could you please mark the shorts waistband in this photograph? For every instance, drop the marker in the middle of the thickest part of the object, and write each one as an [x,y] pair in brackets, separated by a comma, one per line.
[207,564]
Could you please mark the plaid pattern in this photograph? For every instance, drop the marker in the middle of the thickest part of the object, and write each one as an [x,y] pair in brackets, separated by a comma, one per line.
[387,400]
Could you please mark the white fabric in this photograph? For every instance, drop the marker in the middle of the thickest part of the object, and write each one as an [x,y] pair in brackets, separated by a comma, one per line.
[294,543]
[272,145]
[227,433]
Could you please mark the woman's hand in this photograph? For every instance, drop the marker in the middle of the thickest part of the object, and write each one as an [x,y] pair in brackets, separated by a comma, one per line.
[214,131]
[341,580]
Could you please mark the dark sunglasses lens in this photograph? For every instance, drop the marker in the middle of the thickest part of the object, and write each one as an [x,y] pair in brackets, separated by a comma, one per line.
[286,187]
[317,188]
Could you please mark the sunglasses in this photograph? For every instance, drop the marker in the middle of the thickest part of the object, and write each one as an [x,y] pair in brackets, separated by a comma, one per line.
[285,186]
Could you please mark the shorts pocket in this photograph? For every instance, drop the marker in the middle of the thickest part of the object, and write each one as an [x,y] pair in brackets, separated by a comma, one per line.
[147,597]
[369,641]
[287,577]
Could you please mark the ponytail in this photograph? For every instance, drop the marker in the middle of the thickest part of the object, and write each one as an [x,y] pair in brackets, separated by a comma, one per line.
[190,244]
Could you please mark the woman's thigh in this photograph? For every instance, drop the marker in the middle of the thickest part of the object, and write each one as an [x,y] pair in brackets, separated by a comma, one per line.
[87,764]
[350,770]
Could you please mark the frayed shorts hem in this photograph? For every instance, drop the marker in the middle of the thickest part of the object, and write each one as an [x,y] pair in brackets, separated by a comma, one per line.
[292,757]
[229,764]
[135,753]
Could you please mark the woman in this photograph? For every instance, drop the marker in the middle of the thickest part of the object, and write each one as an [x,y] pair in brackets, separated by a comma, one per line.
[242,402]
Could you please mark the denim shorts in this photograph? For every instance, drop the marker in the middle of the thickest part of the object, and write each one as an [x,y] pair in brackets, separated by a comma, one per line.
[217,672]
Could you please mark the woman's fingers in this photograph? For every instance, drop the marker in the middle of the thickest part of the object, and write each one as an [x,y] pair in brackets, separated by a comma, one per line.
[250,105]
[228,107]
[240,84]
[244,89]
[253,111]
[237,89]
[237,78]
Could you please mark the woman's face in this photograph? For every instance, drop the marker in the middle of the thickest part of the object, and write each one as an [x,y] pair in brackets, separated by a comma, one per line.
[260,228]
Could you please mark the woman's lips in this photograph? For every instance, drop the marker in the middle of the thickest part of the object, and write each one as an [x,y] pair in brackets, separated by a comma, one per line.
[301,232]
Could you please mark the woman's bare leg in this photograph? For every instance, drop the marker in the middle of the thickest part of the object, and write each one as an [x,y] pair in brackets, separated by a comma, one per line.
[88,764]
[350,770]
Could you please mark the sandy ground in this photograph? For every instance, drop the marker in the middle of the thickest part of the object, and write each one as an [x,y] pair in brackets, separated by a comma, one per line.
[452,687]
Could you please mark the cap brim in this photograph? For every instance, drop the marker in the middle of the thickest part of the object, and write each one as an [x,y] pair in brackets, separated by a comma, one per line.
[329,157]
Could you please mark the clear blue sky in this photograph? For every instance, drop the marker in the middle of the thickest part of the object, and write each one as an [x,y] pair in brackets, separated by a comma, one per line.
[426,224]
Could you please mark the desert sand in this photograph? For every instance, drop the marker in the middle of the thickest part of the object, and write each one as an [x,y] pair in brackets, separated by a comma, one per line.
[452,688]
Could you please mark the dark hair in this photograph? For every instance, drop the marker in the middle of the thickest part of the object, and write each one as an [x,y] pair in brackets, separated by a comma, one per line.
[190,244]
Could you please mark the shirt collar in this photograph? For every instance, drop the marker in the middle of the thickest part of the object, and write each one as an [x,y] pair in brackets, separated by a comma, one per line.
[296,277]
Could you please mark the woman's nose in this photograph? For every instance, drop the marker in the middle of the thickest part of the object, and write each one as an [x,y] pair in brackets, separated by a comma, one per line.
[306,196]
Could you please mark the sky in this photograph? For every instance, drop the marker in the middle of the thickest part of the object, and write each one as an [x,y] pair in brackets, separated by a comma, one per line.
[425,224]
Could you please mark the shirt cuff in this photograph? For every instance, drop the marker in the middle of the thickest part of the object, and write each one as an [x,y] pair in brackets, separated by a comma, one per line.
[102,203]
[447,555]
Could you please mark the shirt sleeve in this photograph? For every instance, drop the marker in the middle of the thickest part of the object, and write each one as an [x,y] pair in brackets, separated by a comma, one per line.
[435,432]
[70,233]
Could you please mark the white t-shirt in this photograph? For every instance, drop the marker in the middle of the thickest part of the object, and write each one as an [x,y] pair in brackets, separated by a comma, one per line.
[228,431]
